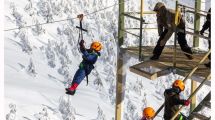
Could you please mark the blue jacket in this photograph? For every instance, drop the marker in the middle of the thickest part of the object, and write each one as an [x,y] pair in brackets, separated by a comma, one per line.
[89,59]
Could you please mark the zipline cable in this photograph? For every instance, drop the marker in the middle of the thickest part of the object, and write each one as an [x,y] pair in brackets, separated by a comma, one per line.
[66,19]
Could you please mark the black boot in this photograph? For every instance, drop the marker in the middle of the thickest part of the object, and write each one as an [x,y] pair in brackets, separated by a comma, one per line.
[208,64]
[189,56]
[154,57]
[70,92]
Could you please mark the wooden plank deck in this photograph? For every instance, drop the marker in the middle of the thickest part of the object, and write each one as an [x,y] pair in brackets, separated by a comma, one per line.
[154,69]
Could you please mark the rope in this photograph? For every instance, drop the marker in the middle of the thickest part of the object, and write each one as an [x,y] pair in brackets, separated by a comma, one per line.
[65,19]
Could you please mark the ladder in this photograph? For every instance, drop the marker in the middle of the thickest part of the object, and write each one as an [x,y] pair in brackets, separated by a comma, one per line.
[185,79]
[206,102]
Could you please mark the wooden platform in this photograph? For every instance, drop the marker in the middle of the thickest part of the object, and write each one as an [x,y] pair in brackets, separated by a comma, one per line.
[154,69]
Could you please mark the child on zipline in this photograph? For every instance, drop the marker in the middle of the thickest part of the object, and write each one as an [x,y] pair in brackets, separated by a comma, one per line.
[86,66]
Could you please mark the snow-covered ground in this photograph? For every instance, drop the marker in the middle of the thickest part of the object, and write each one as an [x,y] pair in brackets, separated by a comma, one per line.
[41,61]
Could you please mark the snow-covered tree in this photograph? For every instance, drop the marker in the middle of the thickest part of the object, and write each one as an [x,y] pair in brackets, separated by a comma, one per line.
[67,110]
[97,81]
[31,68]
[20,22]
[43,115]
[131,111]
[100,115]
[29,8]
[24,41]
[45,10]
[12,114]
[50,54]
[37,30]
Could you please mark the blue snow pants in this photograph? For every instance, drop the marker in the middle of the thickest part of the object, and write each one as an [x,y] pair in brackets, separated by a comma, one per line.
[83,71]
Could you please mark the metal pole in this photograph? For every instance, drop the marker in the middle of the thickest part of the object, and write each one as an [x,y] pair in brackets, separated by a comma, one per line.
[141,30]
[192,95]
[119,82]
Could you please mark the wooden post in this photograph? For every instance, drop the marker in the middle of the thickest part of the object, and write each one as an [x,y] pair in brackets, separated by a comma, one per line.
[193,100]
[141,30]
[175,37]
[196,22]
[120,79]
[195,44]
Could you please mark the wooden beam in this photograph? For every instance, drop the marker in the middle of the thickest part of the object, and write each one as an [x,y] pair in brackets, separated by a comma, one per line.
[144,12]
[127,15]
[139,69]
[201,14]
[196,23]
[176,31]
[136,18]
[193,100]
[131,33]
[144,73]
[193,8]
[120,69]
[141,30]
[195,44]
[198,35]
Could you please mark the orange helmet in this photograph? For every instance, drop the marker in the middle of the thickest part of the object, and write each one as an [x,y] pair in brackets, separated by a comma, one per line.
[97,46]
[179,84]
[148,113]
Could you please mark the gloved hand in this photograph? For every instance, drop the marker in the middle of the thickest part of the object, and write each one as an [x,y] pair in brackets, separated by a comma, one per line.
[143,118]
[186,102]
[81,43]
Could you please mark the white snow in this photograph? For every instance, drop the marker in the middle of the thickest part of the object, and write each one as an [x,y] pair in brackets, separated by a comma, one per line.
[40,62]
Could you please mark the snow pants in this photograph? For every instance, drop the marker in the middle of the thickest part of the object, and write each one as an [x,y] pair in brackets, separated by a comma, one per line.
[81,73]
[181,40]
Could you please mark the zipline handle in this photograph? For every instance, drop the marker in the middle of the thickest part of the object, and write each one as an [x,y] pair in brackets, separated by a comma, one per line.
[80,35]
[80,16]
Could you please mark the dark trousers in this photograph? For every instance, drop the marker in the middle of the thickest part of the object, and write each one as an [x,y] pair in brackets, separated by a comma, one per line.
[209,45]
[181,40]
[209,56]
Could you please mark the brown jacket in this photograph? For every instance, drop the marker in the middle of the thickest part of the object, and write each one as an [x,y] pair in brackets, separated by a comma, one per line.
[166,19]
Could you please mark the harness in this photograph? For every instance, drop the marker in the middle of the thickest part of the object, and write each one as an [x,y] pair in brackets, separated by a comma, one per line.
[85,64]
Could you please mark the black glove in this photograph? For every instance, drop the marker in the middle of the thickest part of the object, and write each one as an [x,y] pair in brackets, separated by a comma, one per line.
[81,43]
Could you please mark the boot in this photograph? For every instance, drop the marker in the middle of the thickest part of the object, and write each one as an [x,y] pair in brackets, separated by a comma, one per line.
[70,92]
[72,89]
[154,57]
[208,64]
[189,56]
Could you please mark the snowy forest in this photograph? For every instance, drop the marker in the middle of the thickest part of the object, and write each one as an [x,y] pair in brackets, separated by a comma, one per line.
[42,58]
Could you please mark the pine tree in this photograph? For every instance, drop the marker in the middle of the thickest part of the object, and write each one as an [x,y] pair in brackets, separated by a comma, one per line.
[12,114]
[31,68]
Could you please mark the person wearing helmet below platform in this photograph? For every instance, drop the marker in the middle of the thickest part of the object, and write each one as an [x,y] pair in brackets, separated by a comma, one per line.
[90,57]
[166,27]
[172,101]
[148,113]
